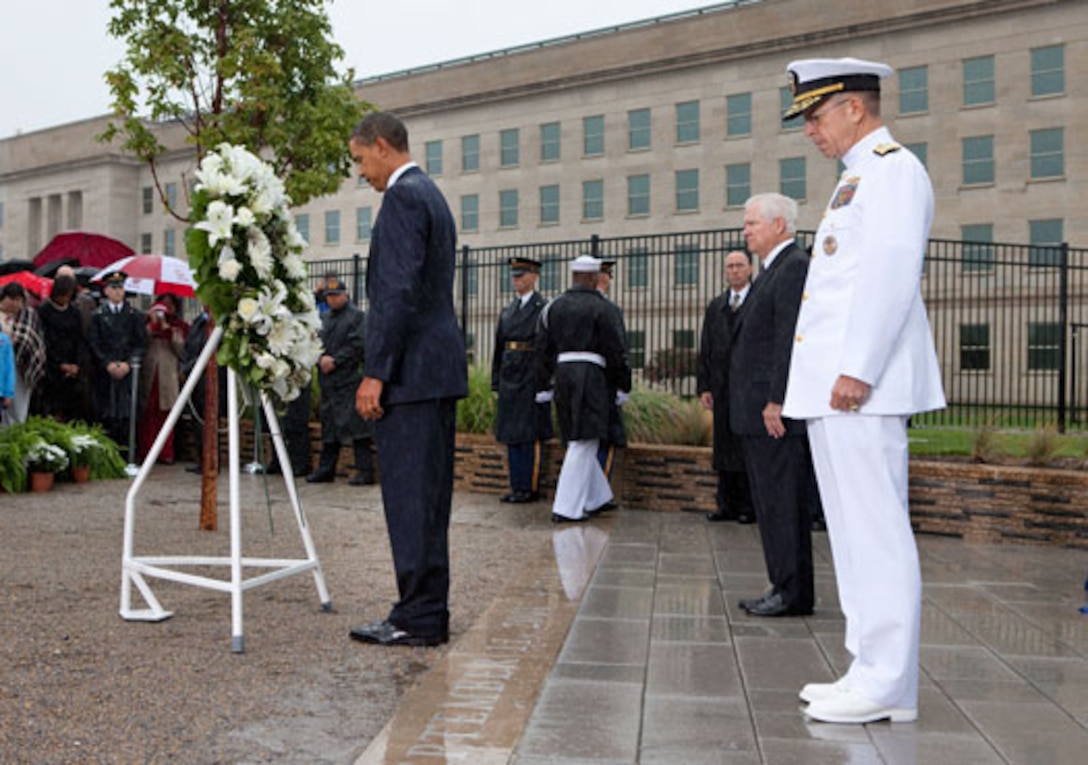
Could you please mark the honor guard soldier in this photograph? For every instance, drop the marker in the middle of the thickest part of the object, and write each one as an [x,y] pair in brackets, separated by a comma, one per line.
[863,362]
[579,346]
[340,370]
[118,336]
[617,434]
[520,423]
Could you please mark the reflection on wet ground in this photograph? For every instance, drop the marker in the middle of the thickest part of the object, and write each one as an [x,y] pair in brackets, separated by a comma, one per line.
[622,644]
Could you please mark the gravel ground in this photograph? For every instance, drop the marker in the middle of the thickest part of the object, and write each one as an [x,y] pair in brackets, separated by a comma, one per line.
[81,685]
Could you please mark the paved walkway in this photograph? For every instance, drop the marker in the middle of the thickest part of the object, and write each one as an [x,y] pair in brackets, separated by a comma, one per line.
[624,644]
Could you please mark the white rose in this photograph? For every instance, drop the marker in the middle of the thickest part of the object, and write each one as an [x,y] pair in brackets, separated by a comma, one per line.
[230,270]
[248,309]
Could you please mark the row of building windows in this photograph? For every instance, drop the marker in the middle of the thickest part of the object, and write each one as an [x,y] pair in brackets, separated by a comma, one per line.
[979,89]
[1043,347]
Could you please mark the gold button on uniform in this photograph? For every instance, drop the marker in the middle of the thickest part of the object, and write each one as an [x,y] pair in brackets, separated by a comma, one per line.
[800,338]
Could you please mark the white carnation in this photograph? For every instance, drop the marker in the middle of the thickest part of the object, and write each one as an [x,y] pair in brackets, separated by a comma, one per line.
[230,269]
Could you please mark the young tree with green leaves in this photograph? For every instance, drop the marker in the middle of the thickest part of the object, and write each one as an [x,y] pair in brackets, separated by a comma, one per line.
[257,73]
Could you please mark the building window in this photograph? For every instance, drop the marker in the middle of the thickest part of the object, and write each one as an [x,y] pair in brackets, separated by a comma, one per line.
[785,101]
[332,227]
[148,199]
[75,211]
[638,195]
[549,205]
[683,338]
[738,184]
[470,212]
[1048,70]
[686,265]
[551,274]
[914,90]
[687,122]
[638,129]
[171,191]
[636,264]
[1045,237]
[978,250]
[302,223]
[636,348]
[470,153]
[508,208]
[593,136]
[145,244]
[1044,346]
[687,190]
[472,278]
[974,347]
[362,224]
[978,81]
[1048,153]
[432,152]
[592,200]
[549,142]
[738,115]
[920,150]
[978,160]
[509,147]
[169,247]
[1,214]
[792,181]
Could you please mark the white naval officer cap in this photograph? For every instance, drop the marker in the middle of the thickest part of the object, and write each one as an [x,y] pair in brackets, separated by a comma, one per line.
[585,264]
[813,80]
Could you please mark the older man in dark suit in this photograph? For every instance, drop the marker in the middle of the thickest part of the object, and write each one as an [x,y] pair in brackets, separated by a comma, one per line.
[775,448]
[415,371]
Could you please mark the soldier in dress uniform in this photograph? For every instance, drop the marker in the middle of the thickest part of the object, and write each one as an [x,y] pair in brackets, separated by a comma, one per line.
[340,370]
[579,346]
[863,362]
[520,423]
[118,335]
[617,433]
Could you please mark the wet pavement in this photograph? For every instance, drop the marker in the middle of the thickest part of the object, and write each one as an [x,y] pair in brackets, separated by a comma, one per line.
[623,644]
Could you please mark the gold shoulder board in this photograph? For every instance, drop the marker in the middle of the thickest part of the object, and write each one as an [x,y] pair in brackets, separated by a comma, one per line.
[886,148]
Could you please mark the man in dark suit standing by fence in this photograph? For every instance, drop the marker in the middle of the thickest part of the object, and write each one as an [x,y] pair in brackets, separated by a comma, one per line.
[415,371]
[775,448]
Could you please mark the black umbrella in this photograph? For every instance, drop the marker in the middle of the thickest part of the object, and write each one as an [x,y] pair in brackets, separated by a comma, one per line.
[15,266]
[50,268]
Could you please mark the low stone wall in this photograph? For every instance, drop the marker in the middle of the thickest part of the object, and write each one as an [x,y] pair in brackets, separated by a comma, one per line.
[978,503]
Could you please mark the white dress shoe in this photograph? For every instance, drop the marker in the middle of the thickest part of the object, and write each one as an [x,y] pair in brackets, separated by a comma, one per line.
[820,691]
[848,706]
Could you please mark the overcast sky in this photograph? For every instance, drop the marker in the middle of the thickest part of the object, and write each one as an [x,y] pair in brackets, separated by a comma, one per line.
[53,53]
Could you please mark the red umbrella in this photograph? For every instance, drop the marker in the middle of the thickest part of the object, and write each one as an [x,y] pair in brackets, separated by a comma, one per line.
[39,285]
[89,249]
[153,275]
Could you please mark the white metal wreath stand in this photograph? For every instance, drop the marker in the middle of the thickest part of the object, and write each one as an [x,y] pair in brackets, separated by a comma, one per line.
[134,569]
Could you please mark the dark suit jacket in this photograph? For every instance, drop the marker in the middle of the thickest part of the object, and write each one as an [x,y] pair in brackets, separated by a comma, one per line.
[715,348]
[763,337]
[413,342]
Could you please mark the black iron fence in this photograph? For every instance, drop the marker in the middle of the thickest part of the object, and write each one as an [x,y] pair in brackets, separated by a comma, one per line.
[1007,318]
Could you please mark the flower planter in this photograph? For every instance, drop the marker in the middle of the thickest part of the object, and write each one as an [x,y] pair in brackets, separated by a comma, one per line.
[81,473]
[41,482]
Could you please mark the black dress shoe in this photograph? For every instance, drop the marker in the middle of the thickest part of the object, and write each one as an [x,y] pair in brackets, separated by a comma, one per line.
[720,515]
[387,633]
[508,497]
[320,477]
[557,518]
[775,605]
[819,524]
[195,469]
[520,498]
[746,517]
[606,507]
[748,603]
[361,480]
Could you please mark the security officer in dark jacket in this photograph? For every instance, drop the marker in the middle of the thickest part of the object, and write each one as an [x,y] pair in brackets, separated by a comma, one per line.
[118,336]
[520,422]
[340,370]
[733,497]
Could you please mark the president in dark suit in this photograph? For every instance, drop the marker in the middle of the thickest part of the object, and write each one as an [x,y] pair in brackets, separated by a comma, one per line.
[775,448]
[415,371]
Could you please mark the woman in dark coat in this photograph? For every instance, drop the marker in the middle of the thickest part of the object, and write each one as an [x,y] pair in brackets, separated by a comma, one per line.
[62,395]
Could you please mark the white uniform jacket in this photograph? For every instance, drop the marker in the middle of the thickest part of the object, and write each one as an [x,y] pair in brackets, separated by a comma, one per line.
[861,311]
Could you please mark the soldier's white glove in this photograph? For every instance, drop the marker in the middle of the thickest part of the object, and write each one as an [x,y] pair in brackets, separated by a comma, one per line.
[622,398]
[544,397]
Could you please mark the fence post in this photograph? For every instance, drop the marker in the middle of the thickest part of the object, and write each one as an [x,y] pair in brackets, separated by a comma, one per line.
[357,278]
[595,246]
[1063,318]
[464,292]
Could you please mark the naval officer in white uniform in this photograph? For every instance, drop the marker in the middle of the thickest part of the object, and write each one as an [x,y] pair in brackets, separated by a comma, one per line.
[863,362]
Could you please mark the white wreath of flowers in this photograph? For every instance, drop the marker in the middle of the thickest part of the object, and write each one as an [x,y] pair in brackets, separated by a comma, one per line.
[247,255]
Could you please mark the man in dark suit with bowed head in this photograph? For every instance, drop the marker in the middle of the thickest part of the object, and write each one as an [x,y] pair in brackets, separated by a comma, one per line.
[733,498]
[415,371]
[775,448]
[520,422]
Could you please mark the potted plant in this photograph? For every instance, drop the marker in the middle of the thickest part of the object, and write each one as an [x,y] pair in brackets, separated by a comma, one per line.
[81,447]
[90,446]
[44,460]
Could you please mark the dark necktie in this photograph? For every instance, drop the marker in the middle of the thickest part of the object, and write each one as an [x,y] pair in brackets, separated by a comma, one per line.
[734,302]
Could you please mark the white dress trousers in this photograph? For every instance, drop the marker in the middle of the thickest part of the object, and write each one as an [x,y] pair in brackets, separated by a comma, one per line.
[582,484]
